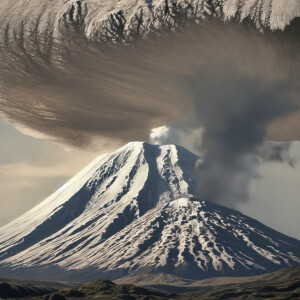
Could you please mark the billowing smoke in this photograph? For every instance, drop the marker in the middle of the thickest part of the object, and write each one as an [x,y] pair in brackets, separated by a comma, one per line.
[81,94]
[235,112]
[184,134]
[278,152]
[191,138]
[239,85]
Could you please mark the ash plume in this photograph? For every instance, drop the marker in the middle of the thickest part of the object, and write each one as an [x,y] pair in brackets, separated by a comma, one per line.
[277,152]
[235,112]
[240,85]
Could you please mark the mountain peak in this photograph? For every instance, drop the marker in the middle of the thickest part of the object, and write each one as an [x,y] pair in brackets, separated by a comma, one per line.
[133,211]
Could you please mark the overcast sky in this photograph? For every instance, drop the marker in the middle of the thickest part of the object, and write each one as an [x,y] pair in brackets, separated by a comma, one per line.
[31,169]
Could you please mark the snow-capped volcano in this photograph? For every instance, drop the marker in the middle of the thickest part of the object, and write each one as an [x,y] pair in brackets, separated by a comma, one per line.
[133,211]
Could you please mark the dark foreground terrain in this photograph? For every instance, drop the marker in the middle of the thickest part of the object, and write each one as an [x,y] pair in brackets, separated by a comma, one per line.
[283,284]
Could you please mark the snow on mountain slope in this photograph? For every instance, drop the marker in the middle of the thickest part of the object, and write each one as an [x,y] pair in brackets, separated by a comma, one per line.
[132,211]
[119,20]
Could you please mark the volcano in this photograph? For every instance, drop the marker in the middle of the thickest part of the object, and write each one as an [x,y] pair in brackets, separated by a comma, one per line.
[133,212]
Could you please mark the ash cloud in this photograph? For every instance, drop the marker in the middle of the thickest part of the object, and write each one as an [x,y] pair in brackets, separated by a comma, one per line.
[186,134]
[235,112]
[88,94]
[277,152]
[190,136]
[239,85]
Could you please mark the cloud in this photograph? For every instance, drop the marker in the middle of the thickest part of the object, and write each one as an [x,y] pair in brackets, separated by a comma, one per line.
[93,95]
[277,152]
[31,170]
[191,138]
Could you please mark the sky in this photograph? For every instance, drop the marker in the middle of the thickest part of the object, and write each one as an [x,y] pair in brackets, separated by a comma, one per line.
[274,197]
[32,169]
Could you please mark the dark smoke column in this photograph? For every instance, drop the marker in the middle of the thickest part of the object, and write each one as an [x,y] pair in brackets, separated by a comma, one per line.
[235,111]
